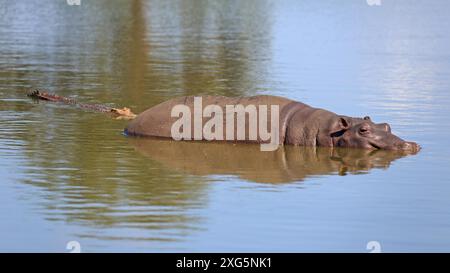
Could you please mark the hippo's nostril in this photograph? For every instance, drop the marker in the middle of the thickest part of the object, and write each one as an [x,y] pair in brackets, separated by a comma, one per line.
[410,146]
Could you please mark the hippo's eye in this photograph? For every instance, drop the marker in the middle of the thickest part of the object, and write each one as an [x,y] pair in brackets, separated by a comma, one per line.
[366,118]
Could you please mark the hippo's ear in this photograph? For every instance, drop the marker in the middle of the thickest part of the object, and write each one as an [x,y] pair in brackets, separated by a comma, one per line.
[339,126]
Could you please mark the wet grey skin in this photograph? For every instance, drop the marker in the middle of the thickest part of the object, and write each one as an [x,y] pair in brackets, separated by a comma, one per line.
[299,124]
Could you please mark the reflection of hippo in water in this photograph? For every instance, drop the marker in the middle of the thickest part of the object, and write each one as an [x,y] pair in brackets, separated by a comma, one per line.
[248,162]
[299,124]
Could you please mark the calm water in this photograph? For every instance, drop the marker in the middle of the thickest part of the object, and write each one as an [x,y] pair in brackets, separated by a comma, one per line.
[71,175]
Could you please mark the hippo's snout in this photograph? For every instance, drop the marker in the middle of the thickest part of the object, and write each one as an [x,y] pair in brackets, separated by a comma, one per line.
[375,136]
[410,147]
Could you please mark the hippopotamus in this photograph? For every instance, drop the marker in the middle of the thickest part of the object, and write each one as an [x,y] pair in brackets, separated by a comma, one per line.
[299,124]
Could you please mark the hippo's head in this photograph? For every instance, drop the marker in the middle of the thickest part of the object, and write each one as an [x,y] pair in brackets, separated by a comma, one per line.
[363,133]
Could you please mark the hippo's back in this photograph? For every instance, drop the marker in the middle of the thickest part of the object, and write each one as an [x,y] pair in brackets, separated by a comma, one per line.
[157,121]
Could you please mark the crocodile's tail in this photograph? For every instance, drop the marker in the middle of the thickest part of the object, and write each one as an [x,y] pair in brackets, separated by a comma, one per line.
[118,113]
[42,95]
